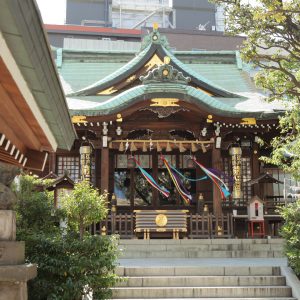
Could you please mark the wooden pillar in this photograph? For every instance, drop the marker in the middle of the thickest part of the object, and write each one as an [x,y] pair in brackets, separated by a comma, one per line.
[52,162]
[104,169]
[97,168]
[217,163]
[255,169]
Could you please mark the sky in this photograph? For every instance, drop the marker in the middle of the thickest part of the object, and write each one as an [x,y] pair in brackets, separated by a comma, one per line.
[53,11]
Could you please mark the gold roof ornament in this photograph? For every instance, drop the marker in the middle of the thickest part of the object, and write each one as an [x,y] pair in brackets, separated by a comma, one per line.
[79,119]
[155,26]
[167,60]
[164,102]
[119,118]
[248,121]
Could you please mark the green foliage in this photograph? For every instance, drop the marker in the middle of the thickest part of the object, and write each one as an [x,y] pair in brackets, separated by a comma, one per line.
[67,267]
[34,208]
[83,206]
[272,28]
[291,232]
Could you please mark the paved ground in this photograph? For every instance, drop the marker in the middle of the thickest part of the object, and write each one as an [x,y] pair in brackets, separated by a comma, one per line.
[170,262]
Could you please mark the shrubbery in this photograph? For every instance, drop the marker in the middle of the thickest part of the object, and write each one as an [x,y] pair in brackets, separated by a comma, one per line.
[68,267]
[291,232]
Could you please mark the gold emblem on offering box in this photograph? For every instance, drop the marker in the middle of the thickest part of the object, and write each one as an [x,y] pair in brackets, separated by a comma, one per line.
[164,102]
[161,220]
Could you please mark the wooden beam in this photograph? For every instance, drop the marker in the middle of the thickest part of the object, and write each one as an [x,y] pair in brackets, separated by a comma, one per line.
[36,160]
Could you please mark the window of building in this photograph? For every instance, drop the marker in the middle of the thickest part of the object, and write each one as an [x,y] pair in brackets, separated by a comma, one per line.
[69,163]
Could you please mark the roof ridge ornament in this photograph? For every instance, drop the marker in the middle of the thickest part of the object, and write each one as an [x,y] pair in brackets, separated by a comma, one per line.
[165,73]
[155,37]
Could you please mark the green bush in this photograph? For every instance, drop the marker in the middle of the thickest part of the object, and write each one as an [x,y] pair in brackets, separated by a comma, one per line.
[68,267]
[291,232]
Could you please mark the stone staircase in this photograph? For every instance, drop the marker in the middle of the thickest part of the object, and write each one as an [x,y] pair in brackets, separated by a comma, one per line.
[202,248]
[177,269]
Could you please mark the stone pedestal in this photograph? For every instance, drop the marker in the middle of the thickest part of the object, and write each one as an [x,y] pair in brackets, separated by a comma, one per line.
[14,274]
[7,225]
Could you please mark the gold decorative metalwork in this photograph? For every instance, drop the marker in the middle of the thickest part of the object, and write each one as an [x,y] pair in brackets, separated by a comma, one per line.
[119,118]
[236,158]
[153,62]
[155,26]
[209,119]
[108,91]
[79,119]
[164,102]
[161,220]
[248,121]
[85,162]
[204,91]
[131,78]
[165,72]
[167,60]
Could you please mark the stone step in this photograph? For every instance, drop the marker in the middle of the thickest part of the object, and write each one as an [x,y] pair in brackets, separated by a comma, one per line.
[195,281]
[201,254]
[200,247]
[200,241]
[199,271]
[198,292]
[264,298]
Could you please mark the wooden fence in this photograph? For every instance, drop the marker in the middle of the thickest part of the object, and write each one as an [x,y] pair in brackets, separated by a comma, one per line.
[199,226]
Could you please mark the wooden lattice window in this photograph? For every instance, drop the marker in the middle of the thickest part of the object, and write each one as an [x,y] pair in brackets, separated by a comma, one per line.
[69,163]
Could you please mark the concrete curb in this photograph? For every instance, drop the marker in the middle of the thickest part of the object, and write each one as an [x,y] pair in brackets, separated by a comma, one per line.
[291,280]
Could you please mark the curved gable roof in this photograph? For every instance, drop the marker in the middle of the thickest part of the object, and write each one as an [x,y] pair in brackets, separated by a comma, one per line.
[154,48]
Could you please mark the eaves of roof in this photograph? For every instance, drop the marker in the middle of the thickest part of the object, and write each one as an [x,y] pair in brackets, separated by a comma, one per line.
[218,106]
[22,28]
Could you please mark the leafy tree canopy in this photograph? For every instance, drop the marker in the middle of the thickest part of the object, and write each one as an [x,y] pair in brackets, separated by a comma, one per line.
[84,205]
[272,28]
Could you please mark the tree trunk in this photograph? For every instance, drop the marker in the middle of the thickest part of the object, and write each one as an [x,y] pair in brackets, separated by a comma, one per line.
[81,230]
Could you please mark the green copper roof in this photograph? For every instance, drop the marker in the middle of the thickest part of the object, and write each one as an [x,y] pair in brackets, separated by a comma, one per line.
[232,107]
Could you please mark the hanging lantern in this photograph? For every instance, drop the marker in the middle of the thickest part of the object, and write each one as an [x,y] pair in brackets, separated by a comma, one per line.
[158,147]
[181,148]
[168,148]
[132,147]
[121,147]
[190,163]
[203,148]
[236,159]
[85,161]
[194,147]
[131,163]
[144,147]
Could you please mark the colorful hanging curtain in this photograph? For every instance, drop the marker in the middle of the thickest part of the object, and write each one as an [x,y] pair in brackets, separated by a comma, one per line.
[224,190]
[151,180]
[186,196]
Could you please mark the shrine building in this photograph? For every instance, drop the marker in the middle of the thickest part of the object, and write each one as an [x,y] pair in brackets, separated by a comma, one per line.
[171,134]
